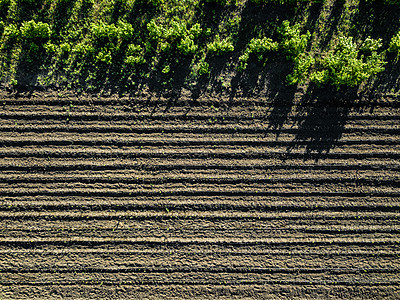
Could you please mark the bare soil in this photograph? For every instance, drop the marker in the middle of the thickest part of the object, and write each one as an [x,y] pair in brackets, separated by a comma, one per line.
[146,198]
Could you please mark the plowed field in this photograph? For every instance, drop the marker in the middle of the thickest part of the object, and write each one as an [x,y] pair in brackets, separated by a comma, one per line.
[136,198]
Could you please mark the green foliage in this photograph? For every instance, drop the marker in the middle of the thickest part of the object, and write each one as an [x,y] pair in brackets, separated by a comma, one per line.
[200,68]
[83,41]
[281,2]
[395,2]
[134,55]
[35,31]
[346,64]
[83,49]
[29,2]
[121,31]
[155,3]
[11,32]
[262,46]
[370,45]
[258,47]
[302,67]
[187,46]
[203,68]
[346,67]
[166,69]
[220,47]
[104,56]
[394,45]
[219,2]
[293,43]
[4,4]
[174,35]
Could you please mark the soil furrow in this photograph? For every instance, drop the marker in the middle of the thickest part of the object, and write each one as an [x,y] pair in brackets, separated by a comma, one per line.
[153,217]
[213,206]
[48,165]
[193,193]
[207,154]
[243,198]
[88,128]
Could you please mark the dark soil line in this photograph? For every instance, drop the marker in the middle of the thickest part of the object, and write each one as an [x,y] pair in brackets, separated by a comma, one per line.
[194,155]
[165,180]
[76,116]
[216,101]
[35,243]
[236,252]
[235,270]
[119,193]
[174,217]
[159,167]
[206,253]
[198,207]
[183,143]
[212,130]
[122,231]
[207,283]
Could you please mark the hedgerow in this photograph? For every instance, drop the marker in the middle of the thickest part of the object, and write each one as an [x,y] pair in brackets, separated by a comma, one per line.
[81,42]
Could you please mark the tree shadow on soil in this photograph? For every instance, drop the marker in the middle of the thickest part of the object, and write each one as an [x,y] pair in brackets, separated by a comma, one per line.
[321,118]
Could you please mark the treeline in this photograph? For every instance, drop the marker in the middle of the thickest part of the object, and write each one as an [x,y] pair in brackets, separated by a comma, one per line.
[93,44]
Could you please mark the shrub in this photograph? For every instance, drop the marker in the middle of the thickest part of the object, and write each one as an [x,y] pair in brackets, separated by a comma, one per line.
[35,31]
[219,2]
[394,45]
[174,35]
[134,55]
[263,45]
[154,3]
[65,48]
[301,70]
[200,68]
[259,2]
[258,47]
[187,46]
[104,56]
[50,48]
[219,46]
[293,42]
[370,45]
[346,67]
[11,32]
[122,31]
[83,48]
[203,68]
[345,64]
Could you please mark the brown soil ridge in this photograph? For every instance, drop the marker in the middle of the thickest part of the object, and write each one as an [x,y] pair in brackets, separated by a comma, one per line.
[144,198]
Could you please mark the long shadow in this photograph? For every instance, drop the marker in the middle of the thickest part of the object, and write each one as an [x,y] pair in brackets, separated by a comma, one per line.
[210,15]
[332,24]
[389,81]
[377,20]
[265,78]
[380,20]
[321,120]
[62,14]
